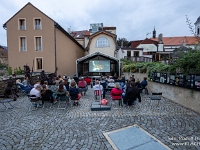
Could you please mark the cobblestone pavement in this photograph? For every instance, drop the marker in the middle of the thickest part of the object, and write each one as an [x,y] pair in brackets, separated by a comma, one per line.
[78,128]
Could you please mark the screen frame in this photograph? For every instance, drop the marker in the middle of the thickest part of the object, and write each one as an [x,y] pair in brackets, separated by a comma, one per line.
[102,61]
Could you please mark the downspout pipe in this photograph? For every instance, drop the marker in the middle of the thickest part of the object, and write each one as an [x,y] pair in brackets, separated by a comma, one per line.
[56,68]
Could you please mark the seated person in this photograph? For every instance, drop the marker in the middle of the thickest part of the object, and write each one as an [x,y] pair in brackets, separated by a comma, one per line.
[75,78]
[115,77]
[74,92]
[103,82]
[116,93]
[62,93]
[47,95]
[131,94]
[111,84]
[36,91]
[72,80]
[88,80]
[82,86]
[98,87]
[53,87]
[22,86]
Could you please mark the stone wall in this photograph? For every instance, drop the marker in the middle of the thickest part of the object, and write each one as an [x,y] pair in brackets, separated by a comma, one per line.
[3,81]
[183,96]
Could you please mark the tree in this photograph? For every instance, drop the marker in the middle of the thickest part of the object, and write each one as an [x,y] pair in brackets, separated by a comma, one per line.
[122,41]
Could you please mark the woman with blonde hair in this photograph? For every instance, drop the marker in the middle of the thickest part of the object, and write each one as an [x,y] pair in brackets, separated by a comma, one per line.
[116,93]
[74,93]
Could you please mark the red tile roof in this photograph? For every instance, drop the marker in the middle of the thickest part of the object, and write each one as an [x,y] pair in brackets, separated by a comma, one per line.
[189,40]
[78,34]
[135,44]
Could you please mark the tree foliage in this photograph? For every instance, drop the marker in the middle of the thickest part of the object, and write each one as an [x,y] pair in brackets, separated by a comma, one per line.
[187,62]
[123,41]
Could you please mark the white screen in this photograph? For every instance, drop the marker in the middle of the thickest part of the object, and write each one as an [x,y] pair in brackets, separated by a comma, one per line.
[99,66]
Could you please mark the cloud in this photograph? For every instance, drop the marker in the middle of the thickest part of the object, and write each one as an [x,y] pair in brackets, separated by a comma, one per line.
[133,19]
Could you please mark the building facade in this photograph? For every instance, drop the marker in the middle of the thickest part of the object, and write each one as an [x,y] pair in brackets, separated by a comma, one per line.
[38,41]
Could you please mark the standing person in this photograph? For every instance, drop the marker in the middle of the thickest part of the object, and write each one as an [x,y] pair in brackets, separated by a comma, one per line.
[133,78]
[75,78]
[144,84]
[43,77]
[104,84]
[139,86]
[131,94]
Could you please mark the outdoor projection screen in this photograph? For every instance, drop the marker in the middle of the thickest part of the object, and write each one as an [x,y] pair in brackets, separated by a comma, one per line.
[99,66]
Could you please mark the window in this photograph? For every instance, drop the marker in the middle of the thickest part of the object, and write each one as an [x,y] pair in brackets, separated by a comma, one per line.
[22,44]
[39,63]
[38,25]
[22,24]
[128,53]
[136,53]
[38,43]
[102,42]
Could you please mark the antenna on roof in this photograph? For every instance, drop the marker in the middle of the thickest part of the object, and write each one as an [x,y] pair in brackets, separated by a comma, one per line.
[148,34]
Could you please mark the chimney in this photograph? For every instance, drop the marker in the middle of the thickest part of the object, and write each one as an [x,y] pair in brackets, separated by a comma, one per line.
[69,30]
[160,38]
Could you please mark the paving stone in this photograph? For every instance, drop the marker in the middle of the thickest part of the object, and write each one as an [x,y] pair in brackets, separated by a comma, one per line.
[79,128]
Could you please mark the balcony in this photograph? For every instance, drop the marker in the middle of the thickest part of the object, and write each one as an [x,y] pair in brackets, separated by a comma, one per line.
[23,48]
[37,27]
[138,59]
[22,27]
[38,48]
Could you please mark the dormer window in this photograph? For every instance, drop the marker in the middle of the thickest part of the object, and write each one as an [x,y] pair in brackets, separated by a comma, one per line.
[102,42]
[22,24]
[38,24]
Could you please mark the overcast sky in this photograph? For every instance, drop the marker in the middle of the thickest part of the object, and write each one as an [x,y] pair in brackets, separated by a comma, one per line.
[132,18]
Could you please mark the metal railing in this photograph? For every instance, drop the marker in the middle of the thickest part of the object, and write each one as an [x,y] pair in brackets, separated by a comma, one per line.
[138,59]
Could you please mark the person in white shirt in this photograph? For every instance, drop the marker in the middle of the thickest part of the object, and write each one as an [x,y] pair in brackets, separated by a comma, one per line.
[37,92]
[97,88]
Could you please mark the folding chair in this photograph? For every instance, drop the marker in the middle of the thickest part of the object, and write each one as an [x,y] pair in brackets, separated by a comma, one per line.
[63,100]
[47,102]
[98,94]
[155,97]
[76,101]
[3,102]
[34,102]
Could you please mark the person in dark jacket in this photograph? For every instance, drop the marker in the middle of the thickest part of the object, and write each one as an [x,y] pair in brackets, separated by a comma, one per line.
[47,95]
[74,92]
[144,84]
[131,94]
